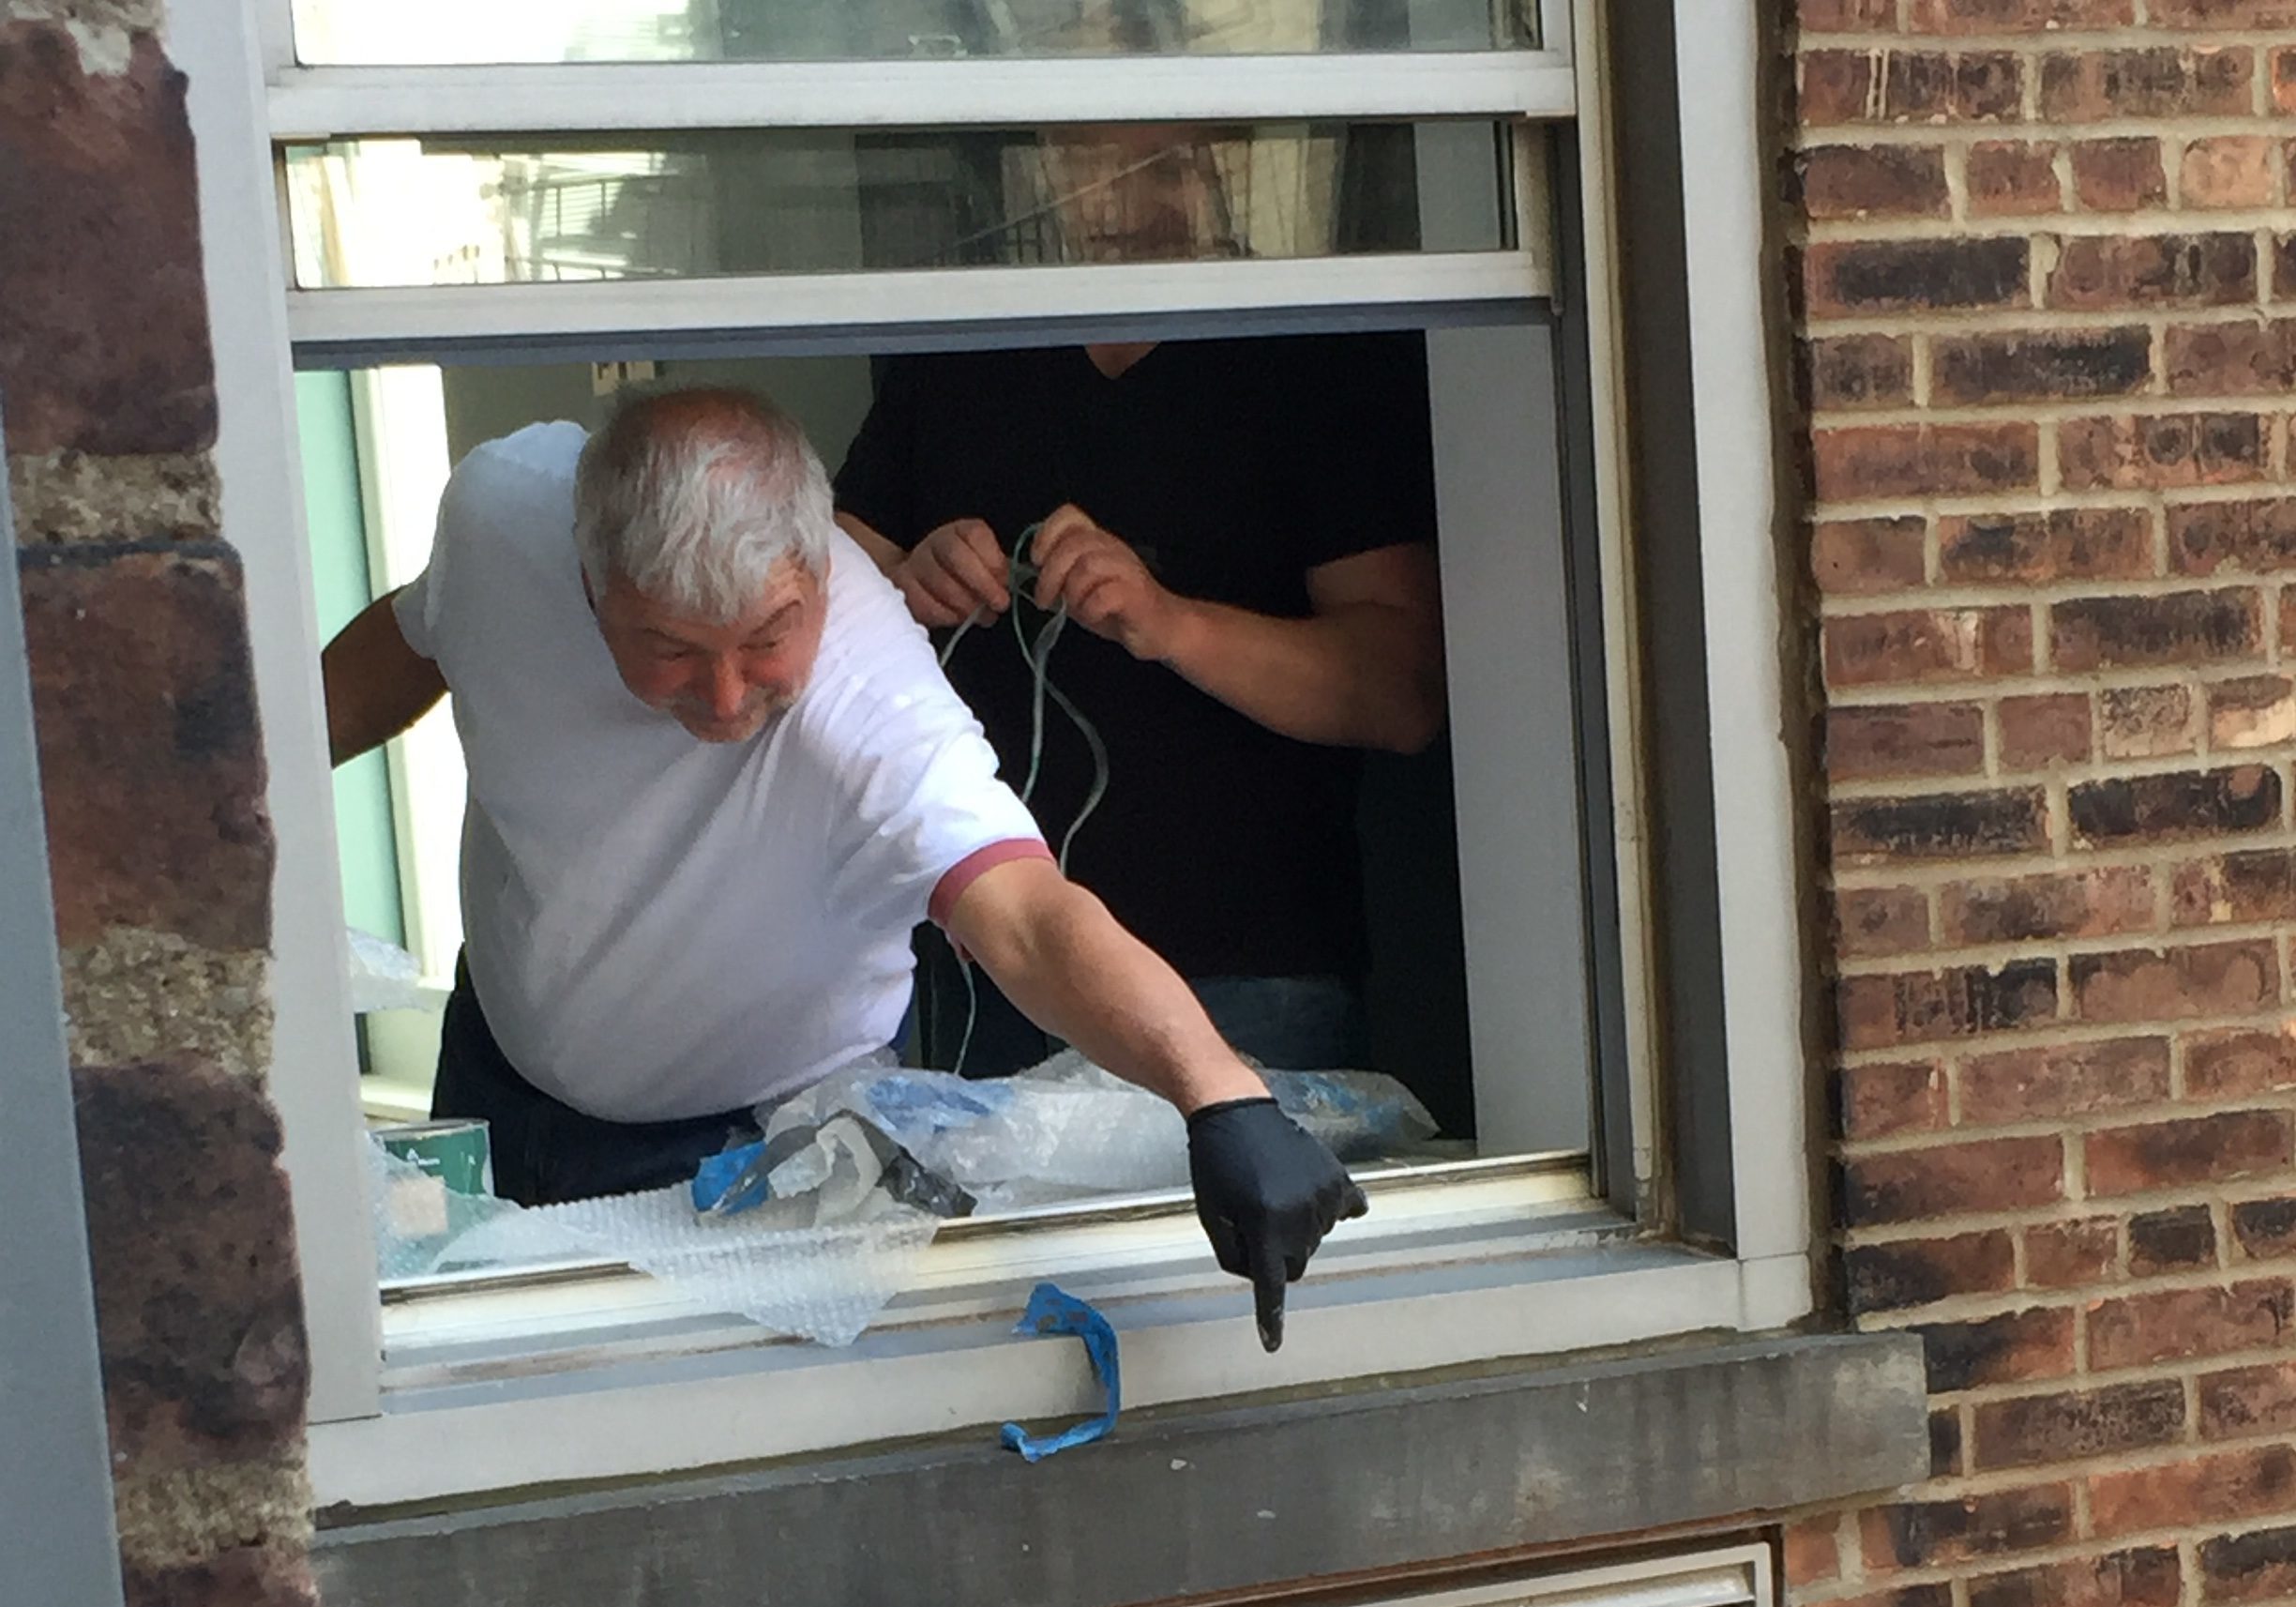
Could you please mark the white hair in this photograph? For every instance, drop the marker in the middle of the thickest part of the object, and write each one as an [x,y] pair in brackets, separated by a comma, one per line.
[694,497]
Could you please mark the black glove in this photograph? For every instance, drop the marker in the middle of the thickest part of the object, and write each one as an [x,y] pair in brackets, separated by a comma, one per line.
[1266,1191]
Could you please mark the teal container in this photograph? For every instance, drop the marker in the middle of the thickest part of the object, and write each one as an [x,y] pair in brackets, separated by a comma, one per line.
[454,1152]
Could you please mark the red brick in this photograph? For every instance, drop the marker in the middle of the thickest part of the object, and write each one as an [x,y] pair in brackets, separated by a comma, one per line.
[2265,1229]
[2145,722]
[2049,729]
[2244,358]
[2258,535]
[2142,985]
[1901,460]
[2079,1079]
[2090,86]
[2284,78]
[1848,17]
[2032,364]
[1933,1595]
[2142,452]
[2182,1238]
[1928,644]
[2063,1256]
[1811,1555]
[1988,1174]
[1946,826]
[1881,86]
[2008,178]
[2140,1328]
[1929,1007]
[2096,273]
[2141,632]
[2192,1149]
[1871,922]
[1885,1100]
[2237,1062]
[2175,807]
[1904,739]
[2259,884]
[1945,1444]
[1854,557]
[1855,277]
[2248,1401]
[2284,267]
[2017,15]
[2218,1489]
[2118,175]
[2222,14]
[1873,181]
[2052,904]
[2227,170]
[1939,1534]
[2253,1566]
[2017,1347]
[2091,1422]
[2146,1578]
[1916,1273]
[1859,371]
[2254,711]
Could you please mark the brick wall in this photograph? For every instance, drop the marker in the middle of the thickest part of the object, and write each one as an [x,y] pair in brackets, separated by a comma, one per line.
[152,770]
[2046,271]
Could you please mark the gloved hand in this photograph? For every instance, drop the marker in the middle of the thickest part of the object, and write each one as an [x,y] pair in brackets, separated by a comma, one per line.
[1266,1191]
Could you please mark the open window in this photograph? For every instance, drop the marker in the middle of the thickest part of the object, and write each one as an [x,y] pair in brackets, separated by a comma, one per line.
[494,214]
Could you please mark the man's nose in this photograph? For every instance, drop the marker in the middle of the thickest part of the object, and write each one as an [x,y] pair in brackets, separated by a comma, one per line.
[727,690]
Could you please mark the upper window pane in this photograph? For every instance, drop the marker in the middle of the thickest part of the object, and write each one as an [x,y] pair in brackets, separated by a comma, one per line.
[565,207]
[440,32]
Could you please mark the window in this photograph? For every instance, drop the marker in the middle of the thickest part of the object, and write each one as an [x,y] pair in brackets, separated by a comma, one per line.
[436,268]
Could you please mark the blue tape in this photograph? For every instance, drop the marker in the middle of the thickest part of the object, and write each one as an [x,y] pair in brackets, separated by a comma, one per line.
[729,1181]
[1051,1311]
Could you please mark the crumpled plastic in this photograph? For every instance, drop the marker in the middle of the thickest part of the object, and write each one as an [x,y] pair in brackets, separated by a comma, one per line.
[384,977]
[1052,1310]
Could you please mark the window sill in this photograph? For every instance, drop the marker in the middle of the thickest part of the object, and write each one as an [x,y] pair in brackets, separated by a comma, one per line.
[1378,1478]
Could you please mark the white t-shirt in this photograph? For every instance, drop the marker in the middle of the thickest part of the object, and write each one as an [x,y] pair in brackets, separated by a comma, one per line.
[660,927]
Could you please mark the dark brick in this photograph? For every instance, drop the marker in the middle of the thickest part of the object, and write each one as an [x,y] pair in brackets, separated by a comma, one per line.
[2249,1568]
[1928,1007]
[2146,1578]
[1945,825]
[1916,1272]
[2174,1240]
[2171,808]
[1989,1175]
[2191,1150]
[2080,1423]
[103,332]
[2067,1080]
[2017,1347]
[1904,739]
[1873,181]
[2108,272]
[1859,370]
[2138,632]
[2255,536]
[275,1575]
[2222,14]
[1968,369]
[1858,277]
[2163,80]
[2057,904]
[2265,1228]
[1848,16]
[2149,452]
[151,759]
[1939,1534]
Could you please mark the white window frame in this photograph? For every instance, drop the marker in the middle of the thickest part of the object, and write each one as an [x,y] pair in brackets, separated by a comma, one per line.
[1369,1310]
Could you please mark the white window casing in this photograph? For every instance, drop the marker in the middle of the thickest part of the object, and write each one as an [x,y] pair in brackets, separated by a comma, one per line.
[381,1434]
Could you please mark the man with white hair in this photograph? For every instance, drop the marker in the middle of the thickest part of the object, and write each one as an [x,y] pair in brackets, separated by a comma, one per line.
[716,778]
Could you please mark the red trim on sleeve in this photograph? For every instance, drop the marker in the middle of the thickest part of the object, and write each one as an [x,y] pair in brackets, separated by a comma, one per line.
[973,866]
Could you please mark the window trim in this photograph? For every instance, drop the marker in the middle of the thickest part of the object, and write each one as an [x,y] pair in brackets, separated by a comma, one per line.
[1510,1311]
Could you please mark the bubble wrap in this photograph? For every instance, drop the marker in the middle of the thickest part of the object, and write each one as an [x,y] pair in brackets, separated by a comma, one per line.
[820,1283]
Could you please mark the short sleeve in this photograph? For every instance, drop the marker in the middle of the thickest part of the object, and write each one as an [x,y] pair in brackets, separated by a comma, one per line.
[1360,465]
[874,483]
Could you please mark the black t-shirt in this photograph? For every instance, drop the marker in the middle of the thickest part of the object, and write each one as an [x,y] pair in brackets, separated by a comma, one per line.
[1233,467]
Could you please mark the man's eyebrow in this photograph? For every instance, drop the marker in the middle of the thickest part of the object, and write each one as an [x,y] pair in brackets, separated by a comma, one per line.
[780,616]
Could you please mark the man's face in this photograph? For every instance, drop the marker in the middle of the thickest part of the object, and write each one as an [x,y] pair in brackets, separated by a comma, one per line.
[723,683]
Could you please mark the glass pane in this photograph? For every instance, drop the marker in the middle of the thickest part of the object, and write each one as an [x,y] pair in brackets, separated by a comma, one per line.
[348,32]
[559,207]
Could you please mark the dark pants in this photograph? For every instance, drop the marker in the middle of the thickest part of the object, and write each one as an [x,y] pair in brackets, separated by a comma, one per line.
[1292,1023]
[546,1151]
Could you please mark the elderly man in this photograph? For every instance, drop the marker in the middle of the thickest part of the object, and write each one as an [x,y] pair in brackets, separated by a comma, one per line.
[716,778]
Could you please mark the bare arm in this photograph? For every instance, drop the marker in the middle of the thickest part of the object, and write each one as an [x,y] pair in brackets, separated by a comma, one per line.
[1057,954]
[376,685]
[1365,670]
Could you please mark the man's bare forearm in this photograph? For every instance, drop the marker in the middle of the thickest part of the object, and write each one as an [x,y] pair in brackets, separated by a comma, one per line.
[1365,675]
[376,685]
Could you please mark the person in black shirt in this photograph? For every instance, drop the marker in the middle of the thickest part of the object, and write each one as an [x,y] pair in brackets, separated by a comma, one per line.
[1243,529]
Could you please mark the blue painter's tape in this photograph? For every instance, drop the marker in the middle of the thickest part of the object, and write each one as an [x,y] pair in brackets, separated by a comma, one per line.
[726,1182]
[1053,1312]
